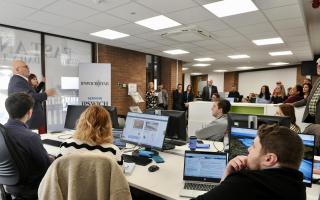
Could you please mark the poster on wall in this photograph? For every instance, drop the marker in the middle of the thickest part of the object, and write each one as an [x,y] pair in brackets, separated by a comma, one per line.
[95,84]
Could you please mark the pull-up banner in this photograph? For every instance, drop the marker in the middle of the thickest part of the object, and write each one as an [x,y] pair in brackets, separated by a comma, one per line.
[95,84]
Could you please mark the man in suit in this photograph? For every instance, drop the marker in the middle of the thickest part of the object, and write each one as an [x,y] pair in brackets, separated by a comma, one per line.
[19,83]
[312,103]
[208,91]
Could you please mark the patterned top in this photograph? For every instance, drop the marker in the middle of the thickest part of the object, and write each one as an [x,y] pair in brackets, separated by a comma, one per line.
[152,100]
[295,128]
[314,100]
[76,146]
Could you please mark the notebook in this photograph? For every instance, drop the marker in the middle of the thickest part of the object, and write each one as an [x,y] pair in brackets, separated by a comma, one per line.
[202,171]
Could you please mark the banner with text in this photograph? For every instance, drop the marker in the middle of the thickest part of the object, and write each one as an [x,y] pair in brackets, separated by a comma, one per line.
[95,84]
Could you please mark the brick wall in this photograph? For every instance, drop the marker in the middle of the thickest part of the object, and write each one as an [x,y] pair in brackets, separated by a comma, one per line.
[230,78]
[126,67]
[168,76]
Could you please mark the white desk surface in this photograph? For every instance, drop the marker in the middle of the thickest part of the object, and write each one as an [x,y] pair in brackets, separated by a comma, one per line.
[168,180]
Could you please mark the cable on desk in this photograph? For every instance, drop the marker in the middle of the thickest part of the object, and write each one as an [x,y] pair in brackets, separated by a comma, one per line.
[217,148]
[65,136]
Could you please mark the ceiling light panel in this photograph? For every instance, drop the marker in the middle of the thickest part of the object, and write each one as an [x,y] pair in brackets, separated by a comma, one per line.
[278,63]
[204,59]
[268,41]
[176,51]
[220,70]
[239,56]
[245,67]
[158,22]
[280,53]
[109,34]
[201,65]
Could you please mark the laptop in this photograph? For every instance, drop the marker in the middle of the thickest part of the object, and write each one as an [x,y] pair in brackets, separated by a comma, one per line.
[202,171]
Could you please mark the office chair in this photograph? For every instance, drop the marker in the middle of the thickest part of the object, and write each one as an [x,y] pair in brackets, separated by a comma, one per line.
[13,170]
[82,176]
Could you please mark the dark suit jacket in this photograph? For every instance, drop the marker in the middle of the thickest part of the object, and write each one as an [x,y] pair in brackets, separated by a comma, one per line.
[178,103]
[19,84]
[205,92]
[307,118]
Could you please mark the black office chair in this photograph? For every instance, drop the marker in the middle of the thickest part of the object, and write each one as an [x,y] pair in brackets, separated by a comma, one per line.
[13,170]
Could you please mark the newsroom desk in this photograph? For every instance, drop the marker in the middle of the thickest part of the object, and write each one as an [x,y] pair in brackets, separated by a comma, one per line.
[168,180]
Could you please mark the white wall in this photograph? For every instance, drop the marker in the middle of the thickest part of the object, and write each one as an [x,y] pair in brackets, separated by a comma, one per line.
[217,78]
[252,81]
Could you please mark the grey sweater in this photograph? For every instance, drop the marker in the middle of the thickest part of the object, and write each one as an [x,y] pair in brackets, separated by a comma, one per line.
[215,130]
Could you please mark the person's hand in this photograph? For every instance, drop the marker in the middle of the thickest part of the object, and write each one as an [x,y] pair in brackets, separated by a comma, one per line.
[50,92]
[43,79]
[234,165]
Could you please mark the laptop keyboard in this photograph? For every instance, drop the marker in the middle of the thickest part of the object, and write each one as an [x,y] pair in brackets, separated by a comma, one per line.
[198,186]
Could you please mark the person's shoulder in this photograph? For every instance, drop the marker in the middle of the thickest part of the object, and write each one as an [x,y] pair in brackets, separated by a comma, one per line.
[110,145]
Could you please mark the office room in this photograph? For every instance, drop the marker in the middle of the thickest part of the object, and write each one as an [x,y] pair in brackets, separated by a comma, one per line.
[149,99]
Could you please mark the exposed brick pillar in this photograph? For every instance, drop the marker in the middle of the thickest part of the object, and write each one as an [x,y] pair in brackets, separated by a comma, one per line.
[230,78]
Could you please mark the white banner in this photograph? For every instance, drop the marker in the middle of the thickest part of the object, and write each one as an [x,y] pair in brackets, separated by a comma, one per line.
[95,83]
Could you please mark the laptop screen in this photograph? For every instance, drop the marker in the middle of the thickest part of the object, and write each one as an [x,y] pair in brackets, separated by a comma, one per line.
[306,165]
[204,166]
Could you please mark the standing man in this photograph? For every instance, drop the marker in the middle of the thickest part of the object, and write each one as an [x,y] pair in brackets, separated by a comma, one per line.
[208,91]
[19,83]
[312,103]
[162,97]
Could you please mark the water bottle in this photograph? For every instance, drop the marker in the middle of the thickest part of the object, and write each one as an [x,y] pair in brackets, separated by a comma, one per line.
[192,142]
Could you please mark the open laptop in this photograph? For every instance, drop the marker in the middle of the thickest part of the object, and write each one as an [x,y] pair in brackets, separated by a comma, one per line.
[202,171]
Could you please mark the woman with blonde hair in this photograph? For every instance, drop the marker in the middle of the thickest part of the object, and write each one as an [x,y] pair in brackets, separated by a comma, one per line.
[93,133]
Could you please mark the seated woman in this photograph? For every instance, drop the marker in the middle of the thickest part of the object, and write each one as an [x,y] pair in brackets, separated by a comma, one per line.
[93,133]
[288,110]
[279,95]
[296,94]
[307,87]
[264,96]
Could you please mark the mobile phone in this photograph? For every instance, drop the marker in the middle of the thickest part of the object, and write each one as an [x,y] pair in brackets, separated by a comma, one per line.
[158,159]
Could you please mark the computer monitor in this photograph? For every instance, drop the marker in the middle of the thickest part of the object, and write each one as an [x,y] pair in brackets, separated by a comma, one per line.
[74,112]
[177,124]
[242,138]
[145,130]
[254,121]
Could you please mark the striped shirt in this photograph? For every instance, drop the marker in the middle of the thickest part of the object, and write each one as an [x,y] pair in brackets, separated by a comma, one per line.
[76,146]
[295,128]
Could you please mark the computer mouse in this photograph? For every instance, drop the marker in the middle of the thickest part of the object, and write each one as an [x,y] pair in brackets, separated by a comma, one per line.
[153,168]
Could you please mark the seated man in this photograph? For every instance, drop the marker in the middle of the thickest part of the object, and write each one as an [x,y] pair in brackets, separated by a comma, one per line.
[19,107]
[270,171]
[217,128]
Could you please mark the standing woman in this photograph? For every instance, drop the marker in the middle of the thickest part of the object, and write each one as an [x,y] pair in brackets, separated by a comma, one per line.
[264,96]
[307,87]
[152,99]
[288,110]
[177,96]
[33,81]
[188,96]
[93,133]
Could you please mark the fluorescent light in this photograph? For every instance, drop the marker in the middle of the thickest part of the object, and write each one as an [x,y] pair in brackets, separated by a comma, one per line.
[245,67]
[201,65]
[204,59]
[158,22]
[196,73]
[230,7]
[176,51]
[239,56]
[220,70]
[184,68]
[268,41]
[278,63]
[109,34]
[280,53]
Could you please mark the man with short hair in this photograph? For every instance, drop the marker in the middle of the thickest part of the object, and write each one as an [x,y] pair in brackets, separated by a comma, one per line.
[162,97]
[19,83]
[19,107]
[216,129]
[270,171]
[208,91]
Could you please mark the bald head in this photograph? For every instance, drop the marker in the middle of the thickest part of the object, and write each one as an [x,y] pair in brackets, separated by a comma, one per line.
[210,82]
[21,68]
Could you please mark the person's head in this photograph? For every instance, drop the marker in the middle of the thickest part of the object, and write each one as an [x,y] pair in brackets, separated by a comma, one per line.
[278,83]
[160,87]
[150,85]
[210,82]
[233,88]
[264,91]
[275,146]
[307,80]
[179,87]
[220,107]
[215,97]
[280,91]
[21,68]
[94,126]
[287,110]
[289,91]
[318,66]
[19,105]
[33,80]
[189,88]
[297,90]
[307,88]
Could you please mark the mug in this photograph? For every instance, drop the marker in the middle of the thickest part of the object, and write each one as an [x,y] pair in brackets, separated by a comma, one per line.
[192,142]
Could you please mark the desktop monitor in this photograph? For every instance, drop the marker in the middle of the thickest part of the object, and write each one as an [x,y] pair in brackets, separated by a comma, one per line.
[145,130]
[74,112]
[177,124]
[254,121]
[242,138]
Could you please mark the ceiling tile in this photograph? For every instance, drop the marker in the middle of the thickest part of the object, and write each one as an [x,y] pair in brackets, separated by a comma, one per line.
[162,5]
[224,33]
[292,32]
[285,12]
[34,3]
[50,19]
[288,23]
[212,25]
[191,15]
[11,10]
[131,29]
[133,40]
[257,28]
[105,20]
[132,12]
[35,25]
[245,19]
[254,36]
[70,9]
[106,5]
[265,4]
[83,27]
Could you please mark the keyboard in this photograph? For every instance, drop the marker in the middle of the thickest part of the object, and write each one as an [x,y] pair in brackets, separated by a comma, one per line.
[136,159]
[174,142]
[167,146]
[198,186]
[52,142]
